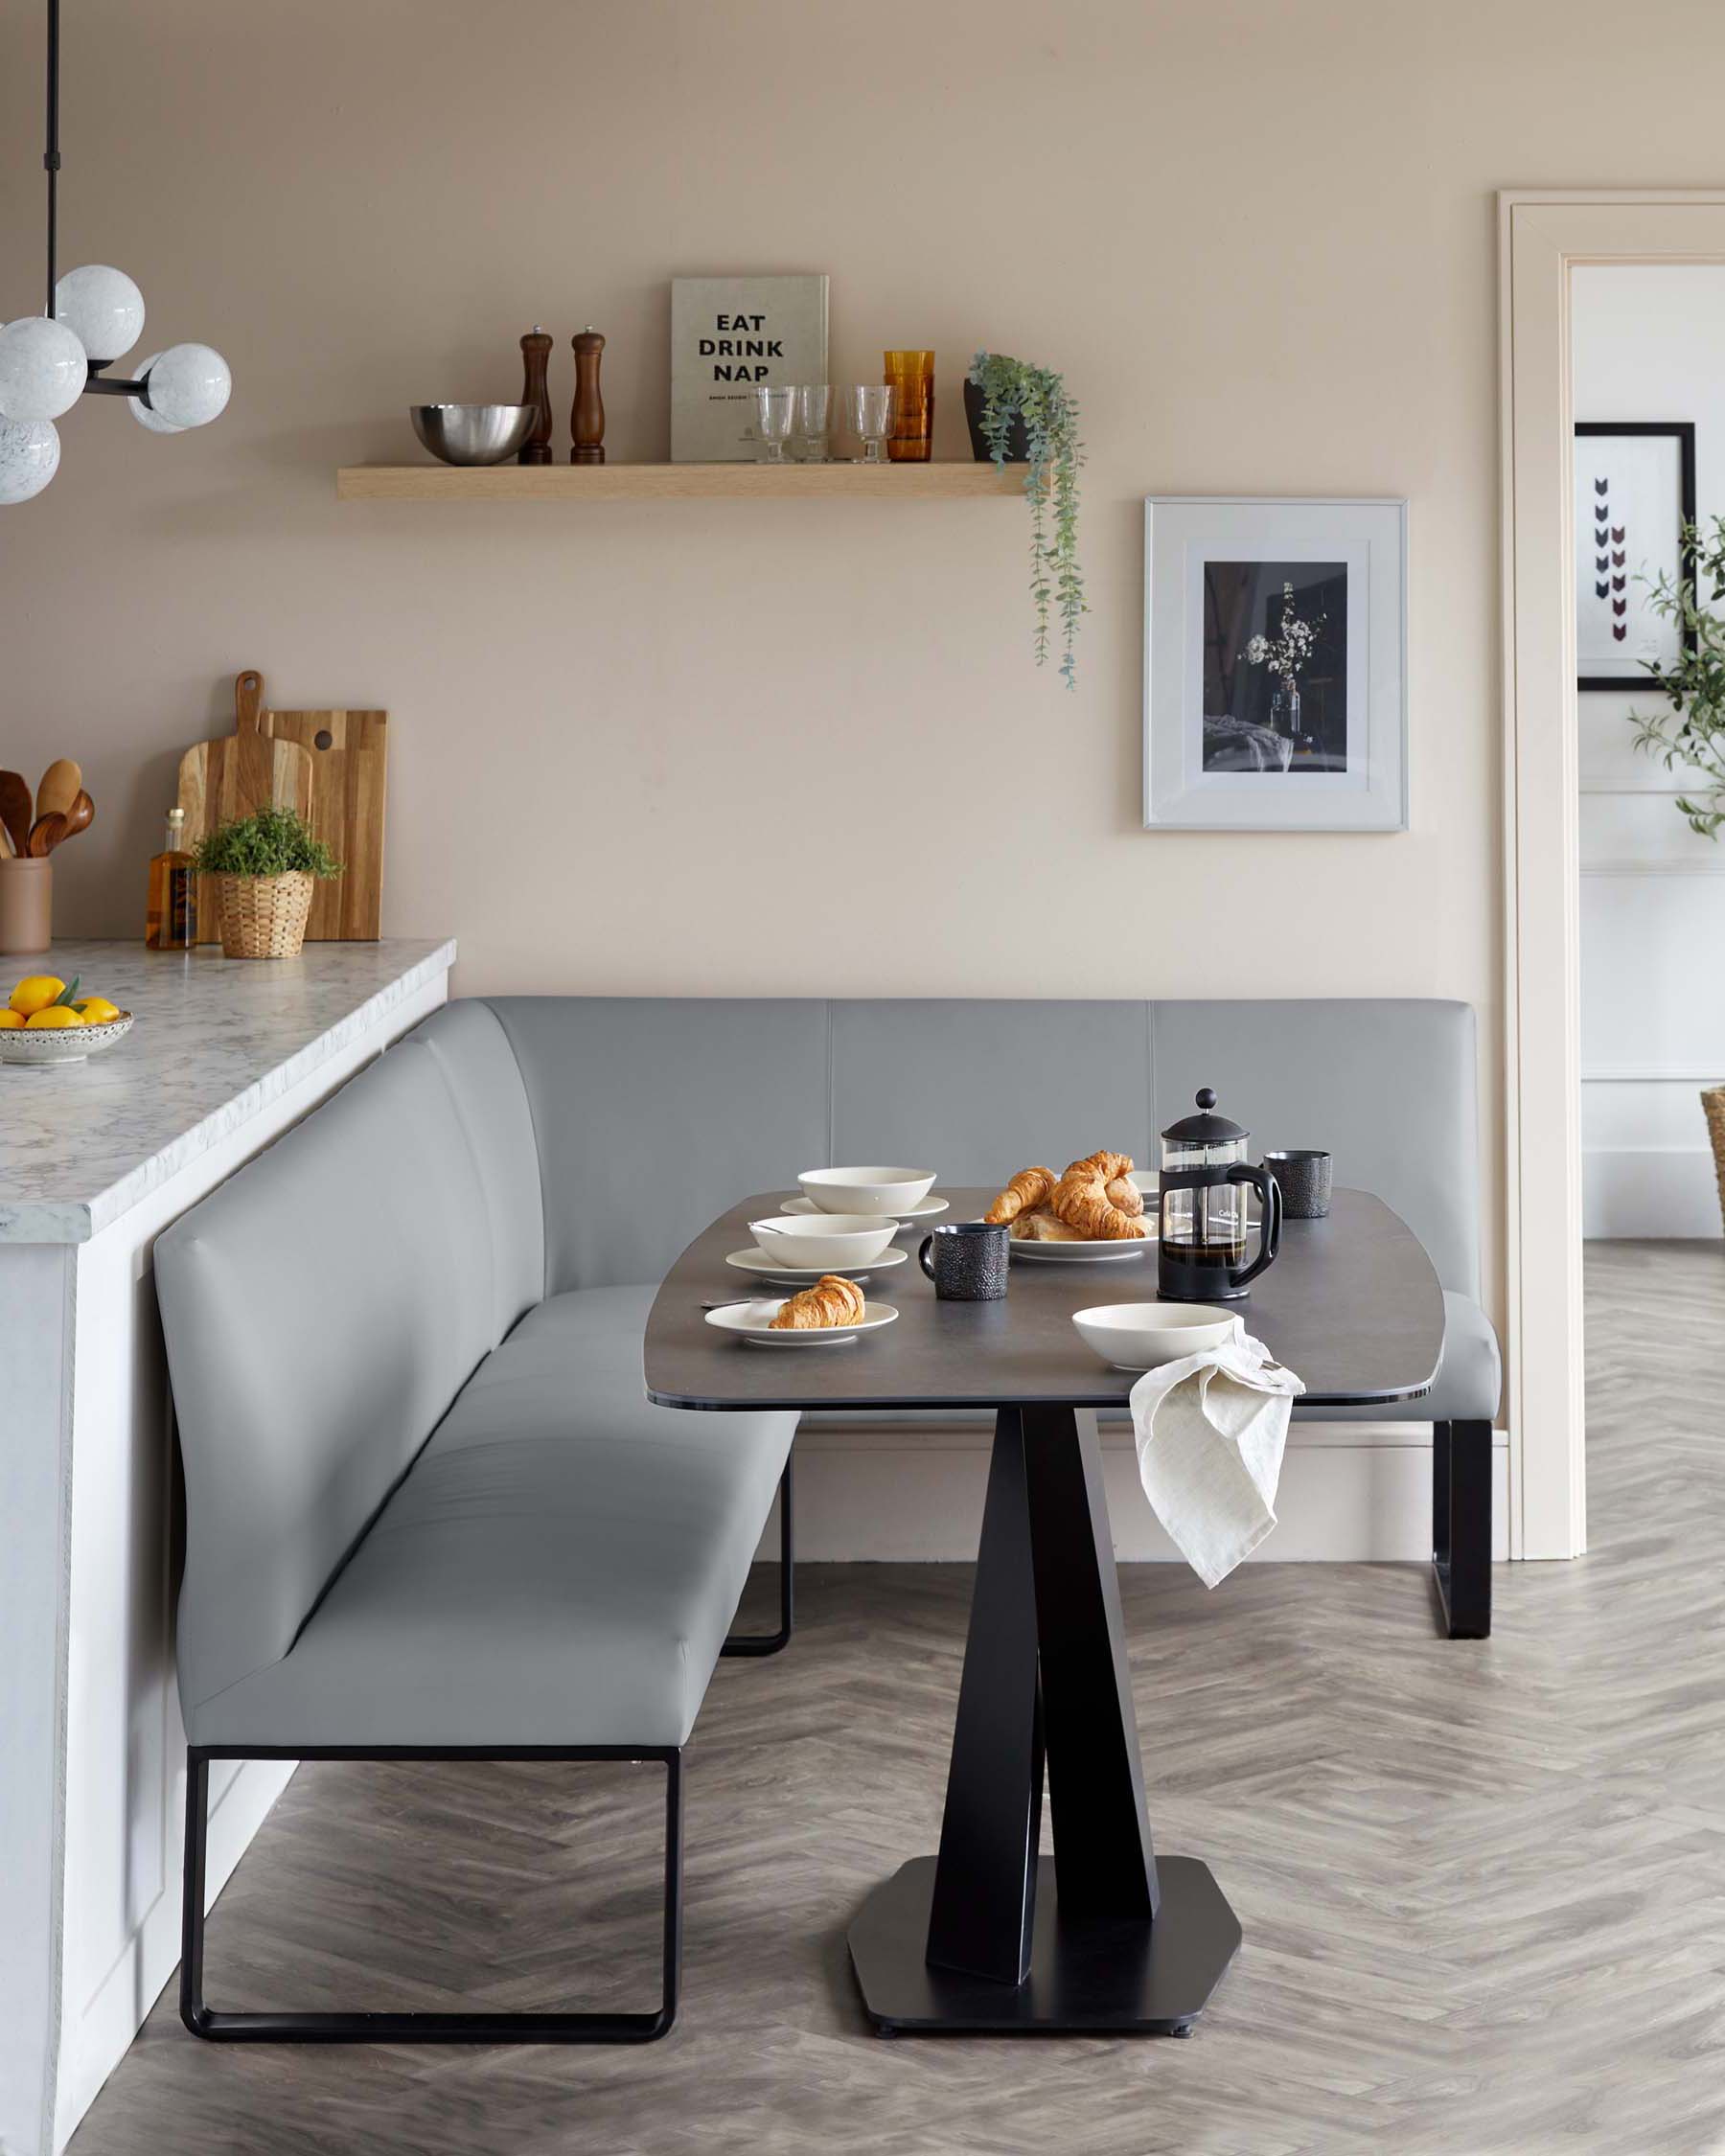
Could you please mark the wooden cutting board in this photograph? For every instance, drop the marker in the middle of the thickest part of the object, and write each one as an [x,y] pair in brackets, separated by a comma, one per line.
[349,752]
[235,776]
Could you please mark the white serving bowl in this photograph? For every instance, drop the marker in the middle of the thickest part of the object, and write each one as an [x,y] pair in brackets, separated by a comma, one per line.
[823,1238]
[1138,1335]
[867,1190]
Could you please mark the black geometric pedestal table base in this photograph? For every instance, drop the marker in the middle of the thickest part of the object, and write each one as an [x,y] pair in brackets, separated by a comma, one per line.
[1087,1975]
[989,1935]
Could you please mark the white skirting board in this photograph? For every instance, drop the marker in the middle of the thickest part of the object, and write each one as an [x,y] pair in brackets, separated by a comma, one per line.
[1350,1492]
[1652,1193]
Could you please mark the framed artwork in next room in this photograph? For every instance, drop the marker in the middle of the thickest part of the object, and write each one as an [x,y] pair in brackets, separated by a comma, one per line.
[1275,665]
[1635,490]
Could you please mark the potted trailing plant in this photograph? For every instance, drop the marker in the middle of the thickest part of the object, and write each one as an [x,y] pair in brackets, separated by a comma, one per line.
[1691,733]
[264,866]
[1019,414]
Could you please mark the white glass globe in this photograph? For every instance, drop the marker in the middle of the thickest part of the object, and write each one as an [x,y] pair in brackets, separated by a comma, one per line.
[42,369]
[103,309]
[28,458]
[142,412]
[188,384]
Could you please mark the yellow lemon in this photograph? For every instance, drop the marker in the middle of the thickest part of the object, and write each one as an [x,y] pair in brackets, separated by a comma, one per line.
[54,1017]
[97,1010]
[36,993]
[11,1019]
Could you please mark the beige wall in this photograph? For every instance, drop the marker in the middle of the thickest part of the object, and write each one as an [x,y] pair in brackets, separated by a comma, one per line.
[1258,237]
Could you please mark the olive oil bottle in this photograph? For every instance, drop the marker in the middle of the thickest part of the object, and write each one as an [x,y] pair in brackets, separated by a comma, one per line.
[170,919]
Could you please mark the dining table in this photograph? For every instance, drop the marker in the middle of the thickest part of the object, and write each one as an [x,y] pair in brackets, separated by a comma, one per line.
[1107,1934]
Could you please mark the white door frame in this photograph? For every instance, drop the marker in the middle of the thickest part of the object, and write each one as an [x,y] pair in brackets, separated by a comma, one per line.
[1542,234]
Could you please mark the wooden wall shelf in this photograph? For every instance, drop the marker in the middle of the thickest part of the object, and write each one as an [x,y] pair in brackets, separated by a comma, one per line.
[680,482]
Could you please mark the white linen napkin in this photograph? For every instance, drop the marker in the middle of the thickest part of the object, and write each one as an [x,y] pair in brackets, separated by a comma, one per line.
[1211,1432]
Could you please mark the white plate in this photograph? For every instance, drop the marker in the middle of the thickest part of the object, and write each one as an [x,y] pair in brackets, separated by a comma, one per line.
[767,1269]
[752,1320]
[930,1210]
[1085,1253]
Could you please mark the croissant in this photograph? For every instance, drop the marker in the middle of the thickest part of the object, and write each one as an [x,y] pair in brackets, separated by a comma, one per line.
[1081,1200]
[1041,1226]
[1125,1194]
[1028,1188]
[832,1300]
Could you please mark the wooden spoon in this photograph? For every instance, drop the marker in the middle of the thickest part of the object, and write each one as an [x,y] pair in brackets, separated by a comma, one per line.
[45,834]
[78,816]
[16,811]
[58,789]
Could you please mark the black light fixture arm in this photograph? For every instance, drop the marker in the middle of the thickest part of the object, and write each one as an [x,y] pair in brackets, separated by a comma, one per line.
[51,156]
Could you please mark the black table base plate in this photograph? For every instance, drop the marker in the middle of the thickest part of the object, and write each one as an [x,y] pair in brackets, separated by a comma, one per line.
[1151,1979]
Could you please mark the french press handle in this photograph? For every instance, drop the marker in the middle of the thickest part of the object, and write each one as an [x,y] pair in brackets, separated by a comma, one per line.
[1269,1192]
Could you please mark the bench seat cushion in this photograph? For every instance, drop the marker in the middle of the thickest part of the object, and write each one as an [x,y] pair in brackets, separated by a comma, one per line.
[560,1565]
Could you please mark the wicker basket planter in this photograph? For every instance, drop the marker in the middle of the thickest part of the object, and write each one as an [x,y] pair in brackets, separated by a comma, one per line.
[264,917]
[1712,1103]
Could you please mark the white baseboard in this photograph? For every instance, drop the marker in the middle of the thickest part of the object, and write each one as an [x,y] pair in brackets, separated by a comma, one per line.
[1661,1193]
[1350,1492]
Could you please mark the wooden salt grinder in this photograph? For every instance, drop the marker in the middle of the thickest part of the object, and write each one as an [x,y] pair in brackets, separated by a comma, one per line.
[536,357]
[588,418]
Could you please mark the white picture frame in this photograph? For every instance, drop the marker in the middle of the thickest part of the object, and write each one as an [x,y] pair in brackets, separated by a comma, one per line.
[1316,591]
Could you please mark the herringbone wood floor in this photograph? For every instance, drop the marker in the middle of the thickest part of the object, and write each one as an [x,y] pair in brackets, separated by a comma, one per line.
[1483,1886]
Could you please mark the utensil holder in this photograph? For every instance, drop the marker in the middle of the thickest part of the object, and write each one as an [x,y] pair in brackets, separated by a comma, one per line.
[264,917]
[26,904]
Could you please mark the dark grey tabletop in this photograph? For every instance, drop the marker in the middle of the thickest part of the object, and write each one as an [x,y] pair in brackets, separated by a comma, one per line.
[1351,1305]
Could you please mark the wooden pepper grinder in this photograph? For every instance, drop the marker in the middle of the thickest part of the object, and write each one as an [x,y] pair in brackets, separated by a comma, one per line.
[588,418]
[536,357]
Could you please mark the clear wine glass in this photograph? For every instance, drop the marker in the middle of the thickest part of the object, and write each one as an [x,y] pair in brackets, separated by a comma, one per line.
[871,416]
[813,420]
[774,410]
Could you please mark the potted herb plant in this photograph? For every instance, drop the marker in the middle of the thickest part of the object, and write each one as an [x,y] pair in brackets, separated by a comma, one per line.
[265,865]
[1019,414]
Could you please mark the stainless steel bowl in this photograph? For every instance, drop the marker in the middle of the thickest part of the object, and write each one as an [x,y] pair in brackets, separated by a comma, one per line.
[473,433]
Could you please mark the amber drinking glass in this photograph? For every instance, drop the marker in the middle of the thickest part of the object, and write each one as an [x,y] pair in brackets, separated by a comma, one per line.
[912,374]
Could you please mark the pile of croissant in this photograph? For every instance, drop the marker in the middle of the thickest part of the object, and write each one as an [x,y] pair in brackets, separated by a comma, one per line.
[1095,1201]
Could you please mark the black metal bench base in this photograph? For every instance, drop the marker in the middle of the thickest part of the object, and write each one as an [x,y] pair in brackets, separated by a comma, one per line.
[1461,1527]
[769,1642]
[269,2028]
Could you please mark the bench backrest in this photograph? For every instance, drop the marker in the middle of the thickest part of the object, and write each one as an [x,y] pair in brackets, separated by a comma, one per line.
[322,1309]
[655,1112]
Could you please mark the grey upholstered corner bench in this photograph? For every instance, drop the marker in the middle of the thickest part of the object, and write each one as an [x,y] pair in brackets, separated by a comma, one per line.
[430,1511]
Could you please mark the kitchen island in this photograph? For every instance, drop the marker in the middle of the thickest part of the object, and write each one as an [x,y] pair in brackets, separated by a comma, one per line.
[96,1158]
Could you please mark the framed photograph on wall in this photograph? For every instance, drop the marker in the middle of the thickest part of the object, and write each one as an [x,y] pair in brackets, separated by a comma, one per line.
[1275,665]
[1635,490]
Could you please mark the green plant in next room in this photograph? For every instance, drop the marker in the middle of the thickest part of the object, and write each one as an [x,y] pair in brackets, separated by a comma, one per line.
[1691,734]
[1014,392]
[270,842]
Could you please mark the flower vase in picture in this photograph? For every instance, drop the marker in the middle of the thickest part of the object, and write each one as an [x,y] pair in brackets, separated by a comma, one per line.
[1284,654]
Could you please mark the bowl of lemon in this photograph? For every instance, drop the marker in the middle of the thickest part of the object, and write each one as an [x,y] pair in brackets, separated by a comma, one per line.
[46,1021]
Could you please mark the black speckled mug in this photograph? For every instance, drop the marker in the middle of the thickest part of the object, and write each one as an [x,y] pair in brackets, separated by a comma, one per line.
[1304,1177]
[971,1260]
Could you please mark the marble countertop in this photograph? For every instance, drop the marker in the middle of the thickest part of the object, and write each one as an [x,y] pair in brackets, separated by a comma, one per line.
[215,1040]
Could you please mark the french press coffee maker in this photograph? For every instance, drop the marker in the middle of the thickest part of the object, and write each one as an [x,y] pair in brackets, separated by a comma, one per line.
[1205,1178]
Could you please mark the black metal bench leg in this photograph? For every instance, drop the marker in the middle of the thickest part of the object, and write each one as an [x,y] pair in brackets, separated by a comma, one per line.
[769,1642]
[301,2027]
[1461,1527]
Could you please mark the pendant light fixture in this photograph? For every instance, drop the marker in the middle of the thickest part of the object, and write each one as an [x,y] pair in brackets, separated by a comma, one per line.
[94,316]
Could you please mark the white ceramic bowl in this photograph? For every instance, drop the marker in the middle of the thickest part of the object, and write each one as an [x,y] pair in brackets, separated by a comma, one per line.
[823,1238]
[867,1190]
[1138,1335]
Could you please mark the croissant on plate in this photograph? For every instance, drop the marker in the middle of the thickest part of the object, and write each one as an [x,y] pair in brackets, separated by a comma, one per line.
[1028,1189]
[833,1301]
[1041,1226]
[1081,1199]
